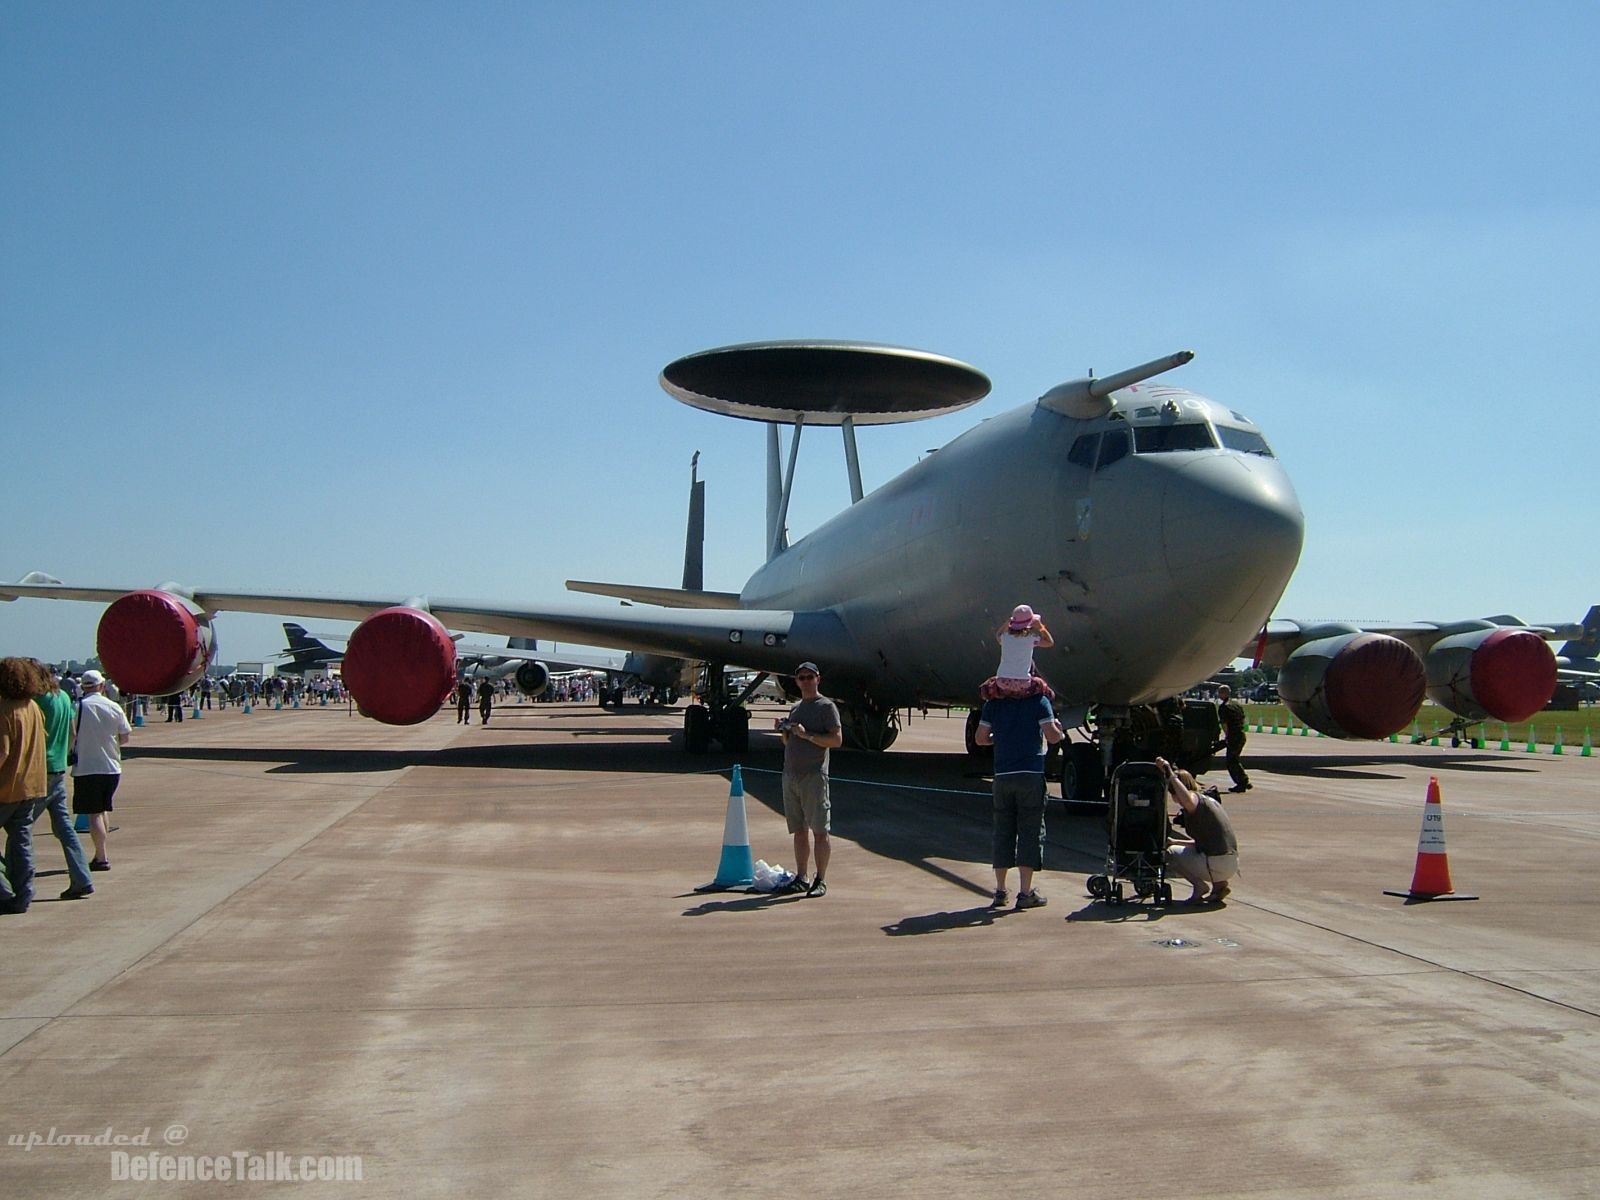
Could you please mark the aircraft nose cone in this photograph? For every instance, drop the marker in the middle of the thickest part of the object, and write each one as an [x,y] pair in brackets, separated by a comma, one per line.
[1231,531]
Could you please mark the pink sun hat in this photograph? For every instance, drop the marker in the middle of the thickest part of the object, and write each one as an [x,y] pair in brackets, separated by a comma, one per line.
[1021,617]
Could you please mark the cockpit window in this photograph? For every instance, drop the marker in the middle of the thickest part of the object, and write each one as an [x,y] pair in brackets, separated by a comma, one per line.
[1082,452]
[1246,440]
[1187,435]
[1112,447]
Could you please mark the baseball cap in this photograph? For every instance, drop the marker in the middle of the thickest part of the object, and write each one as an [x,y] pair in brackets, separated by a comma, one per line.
[808,666]
[1021,617]
[92,678]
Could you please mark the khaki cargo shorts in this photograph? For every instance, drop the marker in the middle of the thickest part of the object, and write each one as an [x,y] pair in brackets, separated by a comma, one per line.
[805,802]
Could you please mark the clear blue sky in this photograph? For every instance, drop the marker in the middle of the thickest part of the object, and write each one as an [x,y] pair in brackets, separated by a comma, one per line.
[359,296]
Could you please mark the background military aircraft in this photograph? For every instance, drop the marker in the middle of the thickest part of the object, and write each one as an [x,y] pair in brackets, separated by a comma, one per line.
[305,652]
[522,660]
[1360,680]
[1154,528]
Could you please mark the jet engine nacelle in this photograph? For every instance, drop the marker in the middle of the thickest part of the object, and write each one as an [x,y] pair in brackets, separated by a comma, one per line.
[1354,685]
[1506,674]
[400,665]
[154,643]
[533,678]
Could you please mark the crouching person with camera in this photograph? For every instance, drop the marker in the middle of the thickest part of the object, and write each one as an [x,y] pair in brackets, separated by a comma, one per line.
[1209,856]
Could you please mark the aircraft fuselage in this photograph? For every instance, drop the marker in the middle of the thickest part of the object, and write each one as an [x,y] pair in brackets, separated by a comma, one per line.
[1151,568]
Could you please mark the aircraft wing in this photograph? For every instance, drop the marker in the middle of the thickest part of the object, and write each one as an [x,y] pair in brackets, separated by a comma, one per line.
[762,639]
[1280,638]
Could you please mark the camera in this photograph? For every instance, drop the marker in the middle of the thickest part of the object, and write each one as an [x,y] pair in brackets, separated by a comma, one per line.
[784,725]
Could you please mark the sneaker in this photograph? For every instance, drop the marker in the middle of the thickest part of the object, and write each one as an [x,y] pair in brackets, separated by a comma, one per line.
[73,893]
[796,885]
[1033,899]
[817,888]
[1001,898]
[1219,893]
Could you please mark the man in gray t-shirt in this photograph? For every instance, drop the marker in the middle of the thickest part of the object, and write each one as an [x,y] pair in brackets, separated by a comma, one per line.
[810,730]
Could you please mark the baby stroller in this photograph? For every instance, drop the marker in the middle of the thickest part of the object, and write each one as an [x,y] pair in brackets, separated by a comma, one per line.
[1137,843]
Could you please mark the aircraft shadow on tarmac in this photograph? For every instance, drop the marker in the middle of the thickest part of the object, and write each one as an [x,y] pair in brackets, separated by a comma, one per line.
[926,809]
[654,756]
[922,809]
[1361,766]
[656,750]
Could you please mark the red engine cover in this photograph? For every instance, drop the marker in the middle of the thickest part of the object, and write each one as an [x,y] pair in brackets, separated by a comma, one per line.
[1513,674]
[152,644]
[1375,687]
[400,665]
[1354,685]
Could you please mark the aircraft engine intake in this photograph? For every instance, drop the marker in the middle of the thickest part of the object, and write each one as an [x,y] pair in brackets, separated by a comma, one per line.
[533,678]
[400,665]
[1506,674]
[1354,685]
[153,643]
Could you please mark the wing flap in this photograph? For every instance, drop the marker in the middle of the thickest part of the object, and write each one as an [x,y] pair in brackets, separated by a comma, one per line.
[667,597]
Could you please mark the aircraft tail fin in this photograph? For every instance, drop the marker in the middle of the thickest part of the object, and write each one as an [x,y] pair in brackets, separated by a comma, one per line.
[694,542]
[299,639]
[1588,646]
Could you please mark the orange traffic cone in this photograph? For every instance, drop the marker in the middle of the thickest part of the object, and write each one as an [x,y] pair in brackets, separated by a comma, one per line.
[1431,879]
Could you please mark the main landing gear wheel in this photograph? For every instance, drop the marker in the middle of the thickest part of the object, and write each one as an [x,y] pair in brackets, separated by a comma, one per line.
[735,731]
[697,729]
[977,751]
[1081,776]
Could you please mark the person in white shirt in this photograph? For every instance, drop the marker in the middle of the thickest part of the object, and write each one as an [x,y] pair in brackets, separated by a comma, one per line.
[1017,678]
[103,731]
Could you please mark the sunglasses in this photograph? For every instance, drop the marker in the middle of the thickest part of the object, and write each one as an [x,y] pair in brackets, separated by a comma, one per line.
[807,675]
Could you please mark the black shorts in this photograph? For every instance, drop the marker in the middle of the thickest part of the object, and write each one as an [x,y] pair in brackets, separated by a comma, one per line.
[92,793]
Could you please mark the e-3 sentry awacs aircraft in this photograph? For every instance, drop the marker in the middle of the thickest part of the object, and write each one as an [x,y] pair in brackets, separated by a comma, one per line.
[1154,527]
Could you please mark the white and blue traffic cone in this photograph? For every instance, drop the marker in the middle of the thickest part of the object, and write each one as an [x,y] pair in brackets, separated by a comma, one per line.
[737,868]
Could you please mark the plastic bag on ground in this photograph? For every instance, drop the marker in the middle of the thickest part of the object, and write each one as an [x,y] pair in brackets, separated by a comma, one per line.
[769,877]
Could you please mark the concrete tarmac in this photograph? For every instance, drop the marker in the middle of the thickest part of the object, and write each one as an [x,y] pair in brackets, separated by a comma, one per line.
[473,958]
